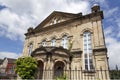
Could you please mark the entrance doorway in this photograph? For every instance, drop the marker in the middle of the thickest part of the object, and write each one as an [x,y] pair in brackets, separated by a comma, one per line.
[40,70]
[58,69]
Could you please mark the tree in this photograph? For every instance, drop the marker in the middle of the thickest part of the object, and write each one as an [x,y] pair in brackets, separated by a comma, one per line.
[26,67]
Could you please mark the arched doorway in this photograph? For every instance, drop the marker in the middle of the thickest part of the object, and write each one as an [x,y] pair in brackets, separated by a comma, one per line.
[40,70]
[59,69]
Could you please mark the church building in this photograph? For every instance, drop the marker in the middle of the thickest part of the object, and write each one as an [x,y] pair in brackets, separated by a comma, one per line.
[70,45]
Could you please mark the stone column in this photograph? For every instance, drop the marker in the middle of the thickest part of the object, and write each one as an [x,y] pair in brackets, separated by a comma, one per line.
[44,70]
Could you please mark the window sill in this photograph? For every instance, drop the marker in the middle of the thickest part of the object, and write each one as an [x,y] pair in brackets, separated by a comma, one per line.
[89,71]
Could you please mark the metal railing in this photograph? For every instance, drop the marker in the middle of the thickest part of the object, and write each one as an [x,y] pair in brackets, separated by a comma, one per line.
[115,74]
[71,74]
[74,74]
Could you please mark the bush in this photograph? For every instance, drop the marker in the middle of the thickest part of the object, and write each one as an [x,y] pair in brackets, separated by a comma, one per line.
[26,67]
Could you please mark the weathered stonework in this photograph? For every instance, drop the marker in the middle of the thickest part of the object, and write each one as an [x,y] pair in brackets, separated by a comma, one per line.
[72,25]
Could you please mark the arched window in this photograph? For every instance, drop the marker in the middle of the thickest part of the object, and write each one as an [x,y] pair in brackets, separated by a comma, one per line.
[44,43]
[30,49]
[87,45]
[65,42]
[53,42]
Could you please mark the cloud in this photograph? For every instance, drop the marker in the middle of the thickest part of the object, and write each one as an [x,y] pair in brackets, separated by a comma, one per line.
[113,51]
[18,15]
[118,22]
[108,31]
[13,26]
[111,12]
[9,55]
[112,33]
[113,46]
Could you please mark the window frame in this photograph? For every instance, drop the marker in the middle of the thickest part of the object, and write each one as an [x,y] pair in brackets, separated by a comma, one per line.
[44,43]
[87,43]
[30,48]
[53,42]
[65,41]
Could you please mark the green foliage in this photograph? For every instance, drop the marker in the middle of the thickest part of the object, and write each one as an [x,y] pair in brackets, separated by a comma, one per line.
[115,74]
[62,77]
[98,79]
[26,67]
[70,46]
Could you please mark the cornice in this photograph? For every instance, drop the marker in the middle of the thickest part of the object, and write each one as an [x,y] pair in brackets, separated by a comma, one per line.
[49,50]
[100,50]
[64,23]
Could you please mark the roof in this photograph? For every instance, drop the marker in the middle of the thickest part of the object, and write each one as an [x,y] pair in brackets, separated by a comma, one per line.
[54,13]
[11,60]
[71,17]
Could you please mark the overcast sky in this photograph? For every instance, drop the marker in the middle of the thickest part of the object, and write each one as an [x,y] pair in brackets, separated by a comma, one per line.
[16,16]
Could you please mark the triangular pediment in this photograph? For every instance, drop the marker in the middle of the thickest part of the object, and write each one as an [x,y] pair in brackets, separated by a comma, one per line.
[55,18]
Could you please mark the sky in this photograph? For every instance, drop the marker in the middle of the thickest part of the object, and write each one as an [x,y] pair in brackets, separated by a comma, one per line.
[16,16]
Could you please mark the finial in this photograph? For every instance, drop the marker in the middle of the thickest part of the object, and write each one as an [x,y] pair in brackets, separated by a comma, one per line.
[30,29]
[95,5]
[95,8]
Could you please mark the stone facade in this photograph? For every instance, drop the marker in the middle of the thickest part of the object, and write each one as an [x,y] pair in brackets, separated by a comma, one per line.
[50,43]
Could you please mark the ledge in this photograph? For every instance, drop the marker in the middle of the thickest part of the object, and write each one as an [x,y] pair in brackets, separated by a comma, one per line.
[89,71]
[100,49]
